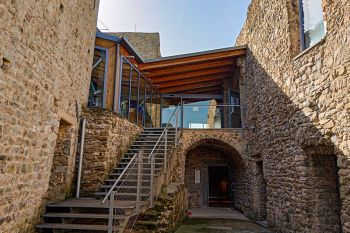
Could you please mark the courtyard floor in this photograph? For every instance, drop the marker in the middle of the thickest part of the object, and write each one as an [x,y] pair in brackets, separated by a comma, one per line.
[219,220]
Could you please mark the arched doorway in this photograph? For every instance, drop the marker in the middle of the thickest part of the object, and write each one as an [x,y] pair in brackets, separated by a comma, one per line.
[214,175]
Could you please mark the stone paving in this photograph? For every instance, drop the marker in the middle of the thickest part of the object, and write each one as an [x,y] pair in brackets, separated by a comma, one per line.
[219,220]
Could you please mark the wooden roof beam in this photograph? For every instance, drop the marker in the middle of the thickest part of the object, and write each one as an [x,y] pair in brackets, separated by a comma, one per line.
[200,73]
[191,60]
[190,86]
[211,90]
[190,68]
[194,80]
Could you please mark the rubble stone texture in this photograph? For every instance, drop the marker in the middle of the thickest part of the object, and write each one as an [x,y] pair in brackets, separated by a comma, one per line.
[227,141]
[147,44]
[45,66]
[108,136]
[297,115]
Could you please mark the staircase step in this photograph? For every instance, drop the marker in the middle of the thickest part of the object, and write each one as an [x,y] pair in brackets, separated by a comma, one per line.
[125,187]
[90,203]
[145,168]
[122,194]
[73,226]
[126,163]
[82,215]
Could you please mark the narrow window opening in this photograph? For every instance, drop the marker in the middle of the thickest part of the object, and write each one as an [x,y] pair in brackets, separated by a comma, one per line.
[312,27]
[261,191]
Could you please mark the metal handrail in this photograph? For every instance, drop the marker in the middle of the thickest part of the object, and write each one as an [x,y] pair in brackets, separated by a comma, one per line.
[165,129]
[116,182]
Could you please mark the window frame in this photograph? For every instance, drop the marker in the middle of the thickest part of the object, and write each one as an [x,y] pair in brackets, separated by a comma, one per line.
[301,27]
[140,76]
[103,104]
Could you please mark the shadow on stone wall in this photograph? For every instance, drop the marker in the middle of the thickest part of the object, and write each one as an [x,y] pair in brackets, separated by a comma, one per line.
[298,155]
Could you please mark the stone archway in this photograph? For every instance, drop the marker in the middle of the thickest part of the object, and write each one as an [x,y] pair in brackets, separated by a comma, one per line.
[201,159]
[227,148]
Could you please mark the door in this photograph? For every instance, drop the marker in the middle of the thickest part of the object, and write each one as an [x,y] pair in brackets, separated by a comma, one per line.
[219,186]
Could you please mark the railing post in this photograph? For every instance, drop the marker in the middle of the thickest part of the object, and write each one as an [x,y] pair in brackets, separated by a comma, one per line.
[139,182]
[176,124]
[182,115]
[152,183]
[165,150]
[81,153]
[111,213]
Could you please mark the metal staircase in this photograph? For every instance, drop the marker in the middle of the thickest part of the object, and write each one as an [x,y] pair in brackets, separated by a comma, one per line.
[132,186]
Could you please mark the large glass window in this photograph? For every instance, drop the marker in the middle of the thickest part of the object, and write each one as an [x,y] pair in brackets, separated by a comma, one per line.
[312,24]
[148,116]
[96,93]
[141,104]
[137,97]
[134,96]
[125,89]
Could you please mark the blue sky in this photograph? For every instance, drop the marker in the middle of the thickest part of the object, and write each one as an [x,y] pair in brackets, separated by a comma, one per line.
[185,26]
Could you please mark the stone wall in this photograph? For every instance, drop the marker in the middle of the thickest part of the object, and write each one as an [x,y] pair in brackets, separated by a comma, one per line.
[199,159]
[297,102]
[231,142]
[146,44]
[62,170]
[108,136]
[167,214]
[45,66]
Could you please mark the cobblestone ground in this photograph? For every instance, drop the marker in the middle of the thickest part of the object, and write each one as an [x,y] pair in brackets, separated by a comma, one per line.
[220,226]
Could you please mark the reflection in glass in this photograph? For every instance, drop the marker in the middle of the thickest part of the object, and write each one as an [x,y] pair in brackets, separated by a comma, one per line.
[133,96]
[148,113]
[97,79]
[125,89]
[197,116]
[141,104]
[313,23]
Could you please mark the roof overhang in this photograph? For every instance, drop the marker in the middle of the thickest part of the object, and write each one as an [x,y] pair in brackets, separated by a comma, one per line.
[194,73]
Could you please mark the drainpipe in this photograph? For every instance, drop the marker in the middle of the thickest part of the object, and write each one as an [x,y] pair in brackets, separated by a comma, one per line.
[81,152]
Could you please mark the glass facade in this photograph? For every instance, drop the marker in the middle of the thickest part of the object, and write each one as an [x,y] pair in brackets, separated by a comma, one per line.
[312,24]
[148,115]
[141,105]
[125,89]
[96,92]
[137,97]
[134,96]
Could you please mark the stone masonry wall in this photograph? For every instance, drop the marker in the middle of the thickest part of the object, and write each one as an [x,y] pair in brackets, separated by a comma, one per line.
[45,66]
[108,136]
[167,214]
[229,140]
[297,103]
[199,159]
[146,44]
[62,170]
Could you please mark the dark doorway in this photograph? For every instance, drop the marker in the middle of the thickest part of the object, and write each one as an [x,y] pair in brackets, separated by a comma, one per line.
[219,188]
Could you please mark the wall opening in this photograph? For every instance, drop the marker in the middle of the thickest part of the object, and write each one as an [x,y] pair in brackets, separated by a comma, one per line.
[219,186]
[214,176]
[261,191]
[63,163]
[322,184]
